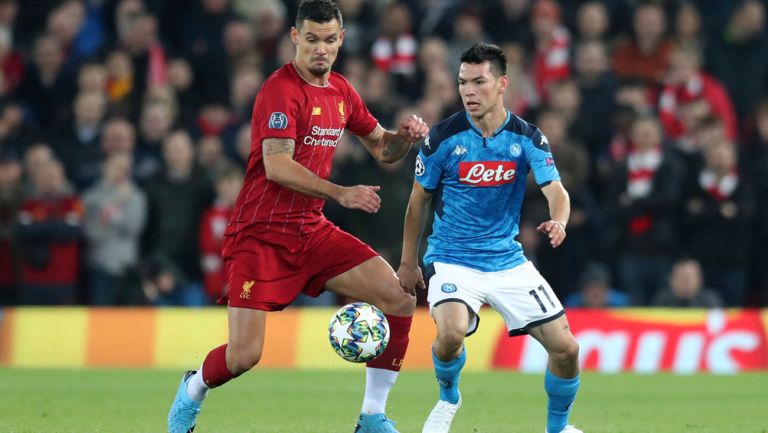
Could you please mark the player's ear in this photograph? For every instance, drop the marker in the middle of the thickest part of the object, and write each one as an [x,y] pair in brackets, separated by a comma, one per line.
[295,35]
[341,36]
[503,83]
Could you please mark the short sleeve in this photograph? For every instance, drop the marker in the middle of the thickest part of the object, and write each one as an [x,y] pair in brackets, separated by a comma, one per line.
[540,159]
[429,163]
[360,121]
[275,111]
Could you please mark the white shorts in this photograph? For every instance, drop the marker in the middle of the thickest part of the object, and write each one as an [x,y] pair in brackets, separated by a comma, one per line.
[521,295]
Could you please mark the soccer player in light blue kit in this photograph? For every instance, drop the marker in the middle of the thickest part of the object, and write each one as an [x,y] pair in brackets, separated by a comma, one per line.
[473,166]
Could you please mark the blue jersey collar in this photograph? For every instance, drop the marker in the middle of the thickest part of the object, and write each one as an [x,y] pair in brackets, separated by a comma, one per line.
[495,133]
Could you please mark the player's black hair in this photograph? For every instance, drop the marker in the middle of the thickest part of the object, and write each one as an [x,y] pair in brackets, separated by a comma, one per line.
[318,11]
[480,53]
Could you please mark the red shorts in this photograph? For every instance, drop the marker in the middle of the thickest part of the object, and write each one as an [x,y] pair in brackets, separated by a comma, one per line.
[267,271]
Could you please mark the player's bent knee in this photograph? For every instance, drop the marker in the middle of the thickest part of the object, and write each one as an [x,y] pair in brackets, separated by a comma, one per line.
[449,341]
[396,302]
[241,360]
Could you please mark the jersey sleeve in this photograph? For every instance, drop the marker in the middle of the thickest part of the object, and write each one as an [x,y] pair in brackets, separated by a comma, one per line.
[360,121]
[275,111]
[540,159]
[429,162]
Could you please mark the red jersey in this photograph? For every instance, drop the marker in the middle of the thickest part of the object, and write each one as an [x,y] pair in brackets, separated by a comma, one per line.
[288,106]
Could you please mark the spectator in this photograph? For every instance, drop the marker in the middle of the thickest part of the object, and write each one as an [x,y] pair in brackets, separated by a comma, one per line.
[743,42]
[47,88]
[643,203]
[646,54]
[685,83]
[11,62]
[49,229]
[688,28]
[115,214]
[597,85]
[595,290]
[10,201]
[509,21]
[92,78]
[719,215]
[212,227]
[686,288]
[79,149]
[551,60]
[395,48]
[177,198]
[593,22]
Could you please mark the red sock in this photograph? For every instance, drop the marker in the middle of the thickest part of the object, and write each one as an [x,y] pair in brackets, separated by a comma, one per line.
[392,358]
[215,371]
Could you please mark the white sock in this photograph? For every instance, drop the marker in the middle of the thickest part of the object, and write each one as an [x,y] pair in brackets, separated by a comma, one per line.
[378,382]
[196,387]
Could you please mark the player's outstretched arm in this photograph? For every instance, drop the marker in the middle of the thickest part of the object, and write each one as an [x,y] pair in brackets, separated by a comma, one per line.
[559,211]
[389,146]
[409,272]
[281,168]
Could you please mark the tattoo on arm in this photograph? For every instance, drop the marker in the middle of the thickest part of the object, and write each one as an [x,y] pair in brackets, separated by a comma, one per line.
[393,146]
[273,146]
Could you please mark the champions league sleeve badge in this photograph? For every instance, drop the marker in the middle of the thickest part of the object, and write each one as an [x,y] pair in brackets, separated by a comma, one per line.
[278,120]
[419,166]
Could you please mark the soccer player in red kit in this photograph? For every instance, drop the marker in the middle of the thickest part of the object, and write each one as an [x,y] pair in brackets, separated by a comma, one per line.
[278,243]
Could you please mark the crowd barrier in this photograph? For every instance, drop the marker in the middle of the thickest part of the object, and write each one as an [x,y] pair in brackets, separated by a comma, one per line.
[635,340]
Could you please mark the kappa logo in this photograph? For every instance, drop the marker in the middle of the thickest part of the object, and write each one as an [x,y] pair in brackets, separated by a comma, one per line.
[420,169]
[449,288]
[278,120]
[459,150]
[246,293]
[426,142]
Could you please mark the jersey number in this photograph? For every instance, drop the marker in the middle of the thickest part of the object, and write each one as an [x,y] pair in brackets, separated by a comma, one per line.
[538,300]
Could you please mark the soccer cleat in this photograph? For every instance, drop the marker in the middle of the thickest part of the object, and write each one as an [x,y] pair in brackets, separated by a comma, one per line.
[441,417]
[375,423]
[567,429]
[183,413]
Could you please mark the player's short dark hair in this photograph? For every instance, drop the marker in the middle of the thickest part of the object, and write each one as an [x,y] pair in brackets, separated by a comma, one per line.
[481,53]
[318,11]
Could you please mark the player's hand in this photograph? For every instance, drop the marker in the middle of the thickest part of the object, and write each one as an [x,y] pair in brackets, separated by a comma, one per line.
[410,278]
[555,230]
[413,129]
[363,197]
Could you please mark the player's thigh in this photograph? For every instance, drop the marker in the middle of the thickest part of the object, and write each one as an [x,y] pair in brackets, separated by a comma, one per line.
[555,336]
[247,328]
[459,286]
[375,282]
[523,298]
[452,320]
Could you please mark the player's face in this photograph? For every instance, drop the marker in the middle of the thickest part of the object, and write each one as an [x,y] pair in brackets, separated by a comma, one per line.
[317,45]
[480,89]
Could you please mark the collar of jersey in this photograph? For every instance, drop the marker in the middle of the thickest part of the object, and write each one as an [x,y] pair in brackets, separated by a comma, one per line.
[496,132]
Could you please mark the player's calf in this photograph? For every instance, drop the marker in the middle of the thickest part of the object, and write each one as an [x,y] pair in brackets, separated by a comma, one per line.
[242,358]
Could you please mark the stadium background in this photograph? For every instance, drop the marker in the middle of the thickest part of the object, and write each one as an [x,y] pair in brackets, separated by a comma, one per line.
[125,129]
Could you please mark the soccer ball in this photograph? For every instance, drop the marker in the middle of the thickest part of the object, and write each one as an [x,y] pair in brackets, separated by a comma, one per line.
[359,332]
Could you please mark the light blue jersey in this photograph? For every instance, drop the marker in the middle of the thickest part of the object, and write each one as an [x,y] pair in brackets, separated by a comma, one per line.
[478,186]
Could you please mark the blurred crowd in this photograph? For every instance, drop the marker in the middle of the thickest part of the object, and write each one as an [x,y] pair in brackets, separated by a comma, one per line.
[124,131]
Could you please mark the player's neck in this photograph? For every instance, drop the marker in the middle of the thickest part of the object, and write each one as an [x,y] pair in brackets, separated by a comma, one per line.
[309,77]
[491,121]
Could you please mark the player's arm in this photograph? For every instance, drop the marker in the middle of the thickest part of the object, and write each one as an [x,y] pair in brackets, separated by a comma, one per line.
[559,211]
[409,272]
[390,146]
[281,168]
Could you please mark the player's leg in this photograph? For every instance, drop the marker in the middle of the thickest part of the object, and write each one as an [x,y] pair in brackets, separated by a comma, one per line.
[223,363]
[529,306]
[455,295]
[561,380]
[374,281]
[448,356]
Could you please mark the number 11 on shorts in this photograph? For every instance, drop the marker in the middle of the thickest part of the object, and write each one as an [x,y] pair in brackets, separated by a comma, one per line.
[543,290]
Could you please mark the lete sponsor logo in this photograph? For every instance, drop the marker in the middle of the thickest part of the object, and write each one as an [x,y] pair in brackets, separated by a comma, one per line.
[487,173]
[714,341]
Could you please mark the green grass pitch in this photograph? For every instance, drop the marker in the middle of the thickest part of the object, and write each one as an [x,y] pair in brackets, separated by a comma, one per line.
[274,401]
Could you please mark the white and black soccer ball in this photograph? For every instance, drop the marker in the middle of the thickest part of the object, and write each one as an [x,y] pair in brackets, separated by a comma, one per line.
[359,332]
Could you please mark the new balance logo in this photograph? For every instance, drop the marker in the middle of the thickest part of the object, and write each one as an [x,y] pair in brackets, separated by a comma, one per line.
[491,173]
